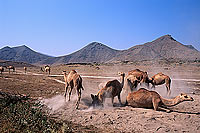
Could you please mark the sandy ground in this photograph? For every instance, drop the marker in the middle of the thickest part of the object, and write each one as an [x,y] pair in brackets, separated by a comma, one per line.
[184,117]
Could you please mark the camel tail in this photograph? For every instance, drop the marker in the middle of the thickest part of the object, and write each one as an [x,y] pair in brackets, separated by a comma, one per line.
[80,83]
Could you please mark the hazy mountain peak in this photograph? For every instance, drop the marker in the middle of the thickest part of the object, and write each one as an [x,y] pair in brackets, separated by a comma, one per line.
[165,38]
[21,53]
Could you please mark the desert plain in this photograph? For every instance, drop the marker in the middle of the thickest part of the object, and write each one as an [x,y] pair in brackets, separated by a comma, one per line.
[49,89]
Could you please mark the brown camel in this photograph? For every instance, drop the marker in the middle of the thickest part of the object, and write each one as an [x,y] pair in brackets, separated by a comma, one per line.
[25,69]
[144,98]
[135,77]
[110,90]
[11,67]
[1,69]
[74,80]
[160,79]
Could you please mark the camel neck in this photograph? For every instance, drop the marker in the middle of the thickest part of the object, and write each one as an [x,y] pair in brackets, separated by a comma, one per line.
[65,76]
[171,102]
[122,81]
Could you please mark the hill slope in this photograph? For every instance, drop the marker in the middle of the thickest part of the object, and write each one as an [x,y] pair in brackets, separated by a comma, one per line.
[22,54]
[164,47]
[93,52]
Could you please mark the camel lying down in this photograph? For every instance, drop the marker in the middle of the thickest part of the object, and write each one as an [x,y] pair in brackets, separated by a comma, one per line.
[144,98]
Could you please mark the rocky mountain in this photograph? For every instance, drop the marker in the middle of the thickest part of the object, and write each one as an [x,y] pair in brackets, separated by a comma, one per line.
[164,47]
[21,54]
[93,52]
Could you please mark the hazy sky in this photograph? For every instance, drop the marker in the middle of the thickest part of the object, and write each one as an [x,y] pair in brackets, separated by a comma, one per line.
[60,27]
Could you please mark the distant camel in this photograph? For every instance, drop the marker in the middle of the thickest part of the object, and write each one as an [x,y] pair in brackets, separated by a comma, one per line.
[160,79]
[25,69]
[135,77]
[112,88]
[11,67]
[144,98]
[1,69]
[47,69]
[74,80]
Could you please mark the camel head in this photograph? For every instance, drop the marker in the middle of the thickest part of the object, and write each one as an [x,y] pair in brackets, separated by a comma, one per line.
[95,101]
[185,97]
[64,72]
[121,74]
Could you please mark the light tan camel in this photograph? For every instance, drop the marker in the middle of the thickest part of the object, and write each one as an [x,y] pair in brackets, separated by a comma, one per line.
[1,69]
[25,69]
[74,81]
[144,98]
[135,77]
[110,90]
[47,69]
[160,79]
[11,67]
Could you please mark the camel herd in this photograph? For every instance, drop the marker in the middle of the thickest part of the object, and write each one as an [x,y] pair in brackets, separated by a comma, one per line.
[7,67]
[141,98]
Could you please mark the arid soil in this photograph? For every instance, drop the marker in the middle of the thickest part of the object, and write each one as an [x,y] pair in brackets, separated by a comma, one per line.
[184,117]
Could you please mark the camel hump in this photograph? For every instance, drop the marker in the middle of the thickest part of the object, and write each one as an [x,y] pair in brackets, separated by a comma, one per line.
[73,71]
[160,73]
[111,83]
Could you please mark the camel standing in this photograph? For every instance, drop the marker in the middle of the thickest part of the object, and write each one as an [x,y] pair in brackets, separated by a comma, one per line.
[112,88]
[144,98]
[160,79]
[74,80]
[25,70]
[47,69]
[11,67]
[1,69]
[135,77]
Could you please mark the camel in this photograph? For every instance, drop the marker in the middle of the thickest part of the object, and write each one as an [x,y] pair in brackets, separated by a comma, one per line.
[135,77]
[160,79]
[110,90]
[11,67]
[1,69]
[25,69]
[144,98]
[74,80]
[47,68]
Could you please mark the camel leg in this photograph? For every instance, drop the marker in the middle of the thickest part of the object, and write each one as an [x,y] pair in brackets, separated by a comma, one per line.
[71,84]
[66,87]
[167,83]
[157,107]
[164,109]
[112,101]
[155,103]
[119,98]
[79,97]
[70,92]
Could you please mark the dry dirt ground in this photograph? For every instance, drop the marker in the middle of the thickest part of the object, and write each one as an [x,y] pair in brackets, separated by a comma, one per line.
[184,117]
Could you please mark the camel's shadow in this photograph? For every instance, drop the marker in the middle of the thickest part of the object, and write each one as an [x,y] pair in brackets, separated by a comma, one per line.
[186,112]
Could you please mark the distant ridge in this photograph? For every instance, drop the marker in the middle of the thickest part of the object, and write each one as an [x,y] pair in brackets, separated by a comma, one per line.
[93,52]
[164,47]
[21,54]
